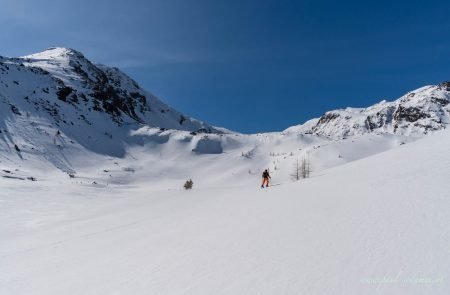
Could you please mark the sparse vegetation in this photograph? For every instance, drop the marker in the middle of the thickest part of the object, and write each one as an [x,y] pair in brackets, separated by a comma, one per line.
[128,169]
[302,169]
[306,167]
[188,184]
[249,154]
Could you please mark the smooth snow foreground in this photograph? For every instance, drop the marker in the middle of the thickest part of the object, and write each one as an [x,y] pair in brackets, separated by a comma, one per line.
[379,225]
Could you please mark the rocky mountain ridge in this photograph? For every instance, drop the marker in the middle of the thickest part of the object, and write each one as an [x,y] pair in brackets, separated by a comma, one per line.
[416,113]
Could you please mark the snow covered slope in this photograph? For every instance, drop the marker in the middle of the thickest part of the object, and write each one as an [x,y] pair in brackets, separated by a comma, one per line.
[91,170]
[416,113]
[60,96]
[374,226]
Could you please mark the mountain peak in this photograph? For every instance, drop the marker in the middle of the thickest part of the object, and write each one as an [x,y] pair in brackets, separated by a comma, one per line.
[55,53]
[60,88]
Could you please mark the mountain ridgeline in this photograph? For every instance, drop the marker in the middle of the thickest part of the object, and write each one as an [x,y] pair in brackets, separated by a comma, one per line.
[417,113]
[56,104]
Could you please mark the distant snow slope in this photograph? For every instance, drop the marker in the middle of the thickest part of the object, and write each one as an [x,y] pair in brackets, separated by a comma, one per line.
[375,226]
[416,113]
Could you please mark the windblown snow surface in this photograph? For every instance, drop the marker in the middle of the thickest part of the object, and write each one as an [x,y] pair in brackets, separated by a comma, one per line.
[379,225]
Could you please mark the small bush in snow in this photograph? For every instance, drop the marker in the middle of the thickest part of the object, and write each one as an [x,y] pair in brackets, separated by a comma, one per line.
[188,184]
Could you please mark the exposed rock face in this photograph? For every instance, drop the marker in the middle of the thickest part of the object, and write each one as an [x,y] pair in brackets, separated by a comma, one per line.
[445,85]
[410,114]
[327,117]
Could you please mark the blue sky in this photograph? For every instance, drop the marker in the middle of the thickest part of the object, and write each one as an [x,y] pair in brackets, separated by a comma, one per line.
[247,65]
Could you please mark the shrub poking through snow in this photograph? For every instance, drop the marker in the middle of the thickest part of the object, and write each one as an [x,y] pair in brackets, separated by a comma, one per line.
[188,184]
